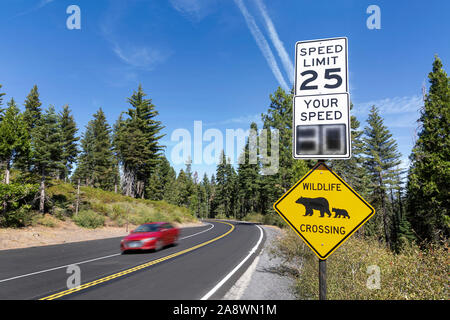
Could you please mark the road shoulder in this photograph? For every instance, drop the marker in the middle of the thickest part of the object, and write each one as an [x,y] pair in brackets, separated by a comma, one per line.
[263,279]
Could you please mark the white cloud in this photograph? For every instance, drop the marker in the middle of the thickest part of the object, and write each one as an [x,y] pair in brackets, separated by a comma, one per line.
[40,5]
[44,3]
[390,106]
[135,56]
[194,9]
[262,44]
[285,59]
[142,57]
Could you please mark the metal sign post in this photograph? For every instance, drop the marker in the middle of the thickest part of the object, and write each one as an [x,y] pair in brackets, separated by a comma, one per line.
[322,271]
[322,279]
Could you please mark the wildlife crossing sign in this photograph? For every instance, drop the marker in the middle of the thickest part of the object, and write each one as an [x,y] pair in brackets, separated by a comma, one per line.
[321,106]
[323,210]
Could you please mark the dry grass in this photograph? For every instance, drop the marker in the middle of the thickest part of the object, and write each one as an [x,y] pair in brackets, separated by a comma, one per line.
[412,274]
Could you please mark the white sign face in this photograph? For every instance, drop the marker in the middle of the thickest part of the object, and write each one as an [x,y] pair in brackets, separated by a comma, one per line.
[321,126]
[321,120]
[321,66]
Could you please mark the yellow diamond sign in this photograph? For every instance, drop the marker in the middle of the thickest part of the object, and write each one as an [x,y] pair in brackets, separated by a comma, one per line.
[324,210]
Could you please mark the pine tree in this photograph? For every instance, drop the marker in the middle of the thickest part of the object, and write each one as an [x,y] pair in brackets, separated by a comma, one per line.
[428,188]
[248,177]
[352,170]
[225,190]
[137,144]
[221,179]
[69,141]
[275,184]
[14,137]
[183,192]
[205,196]
[46,150]
[97,164]
[32,113]
[85,160]
[32,118]
[381,162]
[160,180]
[1,102]
[279,117]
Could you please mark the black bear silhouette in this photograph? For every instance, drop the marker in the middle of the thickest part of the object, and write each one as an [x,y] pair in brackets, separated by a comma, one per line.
[340,213]
[320,204]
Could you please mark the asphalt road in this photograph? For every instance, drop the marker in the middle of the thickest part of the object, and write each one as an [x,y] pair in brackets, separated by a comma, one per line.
[204,264]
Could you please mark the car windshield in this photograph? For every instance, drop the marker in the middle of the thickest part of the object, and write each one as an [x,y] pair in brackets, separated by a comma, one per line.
[146,228]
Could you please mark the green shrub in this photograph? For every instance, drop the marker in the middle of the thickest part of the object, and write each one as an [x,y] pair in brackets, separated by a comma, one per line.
[410,274]
[254,217]
[61,213]
[89,219]
[221,216]
[269,219]
[46,221]
[16,199]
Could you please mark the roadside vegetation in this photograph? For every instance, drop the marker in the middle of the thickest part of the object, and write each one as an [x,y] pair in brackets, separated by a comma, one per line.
[419,273]
[97,208]
[124,177]
[402,252]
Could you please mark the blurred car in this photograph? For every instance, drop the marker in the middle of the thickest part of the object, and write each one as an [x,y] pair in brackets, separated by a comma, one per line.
[150,236]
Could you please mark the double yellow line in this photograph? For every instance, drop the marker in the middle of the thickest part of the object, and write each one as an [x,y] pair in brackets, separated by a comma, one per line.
[134,269]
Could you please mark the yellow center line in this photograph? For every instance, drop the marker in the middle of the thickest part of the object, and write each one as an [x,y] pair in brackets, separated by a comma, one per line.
[134,269]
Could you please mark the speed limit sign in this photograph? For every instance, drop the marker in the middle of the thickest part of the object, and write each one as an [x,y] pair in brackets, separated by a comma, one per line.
[321,119]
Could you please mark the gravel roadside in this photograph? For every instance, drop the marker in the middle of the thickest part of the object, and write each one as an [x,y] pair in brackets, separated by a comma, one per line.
[263,279]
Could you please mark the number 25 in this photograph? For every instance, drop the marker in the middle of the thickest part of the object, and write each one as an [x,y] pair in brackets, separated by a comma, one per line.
[328,75]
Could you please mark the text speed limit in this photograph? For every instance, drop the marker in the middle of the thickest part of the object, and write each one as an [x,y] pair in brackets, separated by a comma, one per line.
[321,67]
[321,110]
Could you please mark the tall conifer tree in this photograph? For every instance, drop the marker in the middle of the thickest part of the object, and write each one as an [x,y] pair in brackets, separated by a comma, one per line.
[428,189]
[69,140]
[382,161]
[14,138]
[137,143]
[46,150]
[32,113]
[97,165]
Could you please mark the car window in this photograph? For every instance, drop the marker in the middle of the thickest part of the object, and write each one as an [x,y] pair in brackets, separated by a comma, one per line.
[146,228]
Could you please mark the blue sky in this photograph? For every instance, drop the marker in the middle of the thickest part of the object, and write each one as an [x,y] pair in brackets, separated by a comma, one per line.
[216,61]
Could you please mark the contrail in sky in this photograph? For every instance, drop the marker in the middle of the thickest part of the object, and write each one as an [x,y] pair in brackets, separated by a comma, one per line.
[287,63]
[262,44]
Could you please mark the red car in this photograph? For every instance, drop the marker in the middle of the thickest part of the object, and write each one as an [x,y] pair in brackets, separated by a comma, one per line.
[152,236]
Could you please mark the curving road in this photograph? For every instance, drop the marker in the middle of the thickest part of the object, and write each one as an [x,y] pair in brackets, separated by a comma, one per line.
[203,265]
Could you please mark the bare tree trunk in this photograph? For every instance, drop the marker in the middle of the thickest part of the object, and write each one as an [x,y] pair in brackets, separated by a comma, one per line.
[129,183]
[6,182]
[383,207]
[140,189]
[78,198]
[42,197]
[7,172]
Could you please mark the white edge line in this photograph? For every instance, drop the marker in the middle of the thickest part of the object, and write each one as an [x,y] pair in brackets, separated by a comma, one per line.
[228,276]
[91,260]
[212,226]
